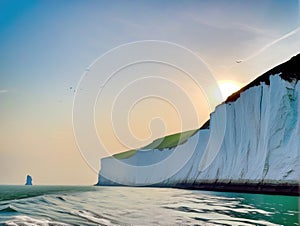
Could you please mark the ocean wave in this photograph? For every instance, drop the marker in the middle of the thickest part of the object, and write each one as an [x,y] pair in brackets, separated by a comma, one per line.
[60,198]
[92,217]
[25,220]
[22,192]
[145,206]
[8,209]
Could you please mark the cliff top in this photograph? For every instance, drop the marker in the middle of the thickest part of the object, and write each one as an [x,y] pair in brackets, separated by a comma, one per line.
[289,70]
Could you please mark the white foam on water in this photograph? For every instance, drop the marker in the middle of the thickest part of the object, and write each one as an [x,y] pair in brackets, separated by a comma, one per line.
[91,217]
[29,221]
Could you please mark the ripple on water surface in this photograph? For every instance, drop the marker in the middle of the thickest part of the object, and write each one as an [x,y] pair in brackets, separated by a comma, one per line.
[52,205]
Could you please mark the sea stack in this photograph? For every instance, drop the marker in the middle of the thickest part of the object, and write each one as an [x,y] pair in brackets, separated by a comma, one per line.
[28,180]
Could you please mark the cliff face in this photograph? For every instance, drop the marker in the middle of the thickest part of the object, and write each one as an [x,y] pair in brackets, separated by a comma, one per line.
[260,143]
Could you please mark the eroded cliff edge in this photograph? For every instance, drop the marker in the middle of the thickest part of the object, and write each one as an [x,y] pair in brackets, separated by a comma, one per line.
[259,152]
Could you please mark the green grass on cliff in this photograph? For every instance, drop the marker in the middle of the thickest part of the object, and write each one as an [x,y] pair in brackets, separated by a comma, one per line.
[169,142]
[124,155]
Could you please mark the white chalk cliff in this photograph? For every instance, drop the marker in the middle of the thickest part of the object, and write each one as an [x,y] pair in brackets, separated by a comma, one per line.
[261,143]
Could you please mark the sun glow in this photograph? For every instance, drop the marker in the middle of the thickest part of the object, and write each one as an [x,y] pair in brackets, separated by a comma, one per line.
[227,87]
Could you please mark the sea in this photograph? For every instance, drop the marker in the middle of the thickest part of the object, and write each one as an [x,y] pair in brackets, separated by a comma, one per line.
[92,205]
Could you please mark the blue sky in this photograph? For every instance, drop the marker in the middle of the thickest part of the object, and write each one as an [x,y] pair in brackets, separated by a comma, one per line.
[61,38]
[45,47]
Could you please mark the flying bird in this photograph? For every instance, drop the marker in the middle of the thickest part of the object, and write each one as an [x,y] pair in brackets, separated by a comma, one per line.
[238,61]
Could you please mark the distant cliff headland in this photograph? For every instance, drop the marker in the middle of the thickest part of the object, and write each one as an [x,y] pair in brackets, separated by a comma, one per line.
[259,151]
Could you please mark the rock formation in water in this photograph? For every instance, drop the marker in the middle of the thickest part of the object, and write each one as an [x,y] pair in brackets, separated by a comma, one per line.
[28,180]
[259,148]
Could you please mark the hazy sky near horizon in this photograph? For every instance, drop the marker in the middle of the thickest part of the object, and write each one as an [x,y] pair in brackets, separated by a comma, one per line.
[45,47]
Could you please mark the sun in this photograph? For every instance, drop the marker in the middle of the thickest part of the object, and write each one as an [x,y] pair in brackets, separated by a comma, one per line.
[228,87]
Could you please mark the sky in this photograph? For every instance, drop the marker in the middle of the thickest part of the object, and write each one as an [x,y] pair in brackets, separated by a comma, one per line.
[46,47]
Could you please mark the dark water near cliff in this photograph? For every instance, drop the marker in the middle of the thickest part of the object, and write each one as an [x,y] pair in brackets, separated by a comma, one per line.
[67,205]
